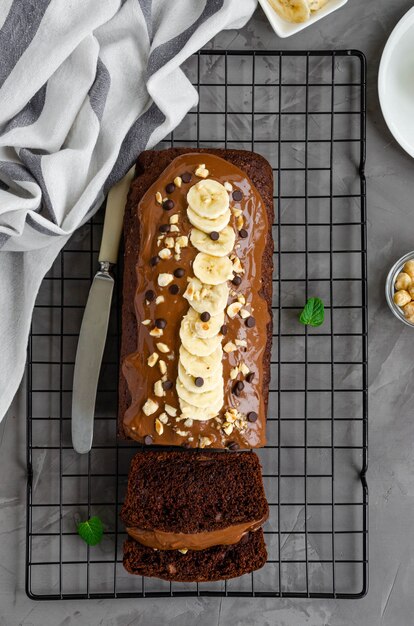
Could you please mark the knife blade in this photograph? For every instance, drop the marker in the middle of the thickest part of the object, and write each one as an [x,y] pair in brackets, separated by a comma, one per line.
[94,328]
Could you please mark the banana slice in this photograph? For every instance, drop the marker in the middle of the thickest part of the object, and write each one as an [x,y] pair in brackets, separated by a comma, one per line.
[208,198]
[220,247]
[205,330]
[315,5]
[208,225]
[210,298]
[292,10]
[195,345]
[212,270]
[209,382]
[205,366]
[213,400]
[195,412]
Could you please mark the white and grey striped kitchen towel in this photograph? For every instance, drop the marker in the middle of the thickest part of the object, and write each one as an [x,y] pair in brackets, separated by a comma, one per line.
[85,86]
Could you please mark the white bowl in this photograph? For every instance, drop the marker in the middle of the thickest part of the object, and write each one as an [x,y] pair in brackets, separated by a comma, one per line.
[396,82]
[284,28]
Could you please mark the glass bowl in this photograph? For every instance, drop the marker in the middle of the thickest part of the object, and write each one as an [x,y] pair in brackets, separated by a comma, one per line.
[390,290]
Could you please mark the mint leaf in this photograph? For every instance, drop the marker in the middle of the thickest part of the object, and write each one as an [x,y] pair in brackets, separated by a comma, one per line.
[313,313]
[91,531]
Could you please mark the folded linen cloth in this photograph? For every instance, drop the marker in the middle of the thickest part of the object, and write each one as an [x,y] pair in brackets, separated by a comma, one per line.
[85,86]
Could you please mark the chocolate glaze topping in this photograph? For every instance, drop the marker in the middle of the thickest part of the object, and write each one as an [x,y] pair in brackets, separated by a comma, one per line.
[173,306]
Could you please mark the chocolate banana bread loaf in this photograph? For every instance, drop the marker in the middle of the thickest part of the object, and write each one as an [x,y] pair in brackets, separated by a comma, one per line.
[207,505]
[196,319]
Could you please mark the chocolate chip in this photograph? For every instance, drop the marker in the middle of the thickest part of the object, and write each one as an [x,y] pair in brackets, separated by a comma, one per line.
[168,204]
[155,260]
[150,295]
[223,329]
[179,272]
[250,377]
[205,316]
[167,384]
[174,289]
[233,445]
[236,281]
[214,235]
[237,195]
[236,389]
[199,382]
[186,177]
[170,188]
[252,416]
[240,385]
[160,322]
[250,322]
[164,228]
[243,233]
[148,440]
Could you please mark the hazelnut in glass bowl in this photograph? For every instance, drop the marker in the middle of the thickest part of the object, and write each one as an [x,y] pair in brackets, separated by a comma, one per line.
[399,289]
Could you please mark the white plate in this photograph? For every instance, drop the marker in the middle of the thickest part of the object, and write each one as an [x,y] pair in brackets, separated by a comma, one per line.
[286,29]
[396,82]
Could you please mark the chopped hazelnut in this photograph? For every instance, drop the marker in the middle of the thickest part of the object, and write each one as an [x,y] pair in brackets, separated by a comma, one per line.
[172,412]
[156,332]
[162,347]
[158,389]
[183,550]
[205,441]
[229,347]
[241,298]
[182,241]
[158,197]
[174,229]
[244,314]
[178,181]
[152,359]
[181,433]
[236,212]
[174,218]
[188,422]
[159,427]
[239,222]
[164,254]
[244,369]
[242,343]
[228,428]
[146,322]
[233,309]
[228,186]
[233,373]
[169,242]
[165,279]
[160,300]
[150,407]
[163,417]
[201,171]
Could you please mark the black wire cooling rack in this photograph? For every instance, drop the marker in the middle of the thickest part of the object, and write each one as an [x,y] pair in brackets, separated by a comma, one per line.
[305,112]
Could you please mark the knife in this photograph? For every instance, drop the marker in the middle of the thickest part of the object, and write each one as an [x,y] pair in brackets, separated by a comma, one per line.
[94,328]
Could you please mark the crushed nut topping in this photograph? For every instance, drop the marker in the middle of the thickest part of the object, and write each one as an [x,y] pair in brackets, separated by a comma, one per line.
[233,309]
[183,550]
[244,314]
[228,186]
[160,300]
[242,343]
[236,212]
[162,347]
[228,428]
[158,197]
[229,347]
[169,242]
[174,229]
[158,389]
[165,279]
[146,322]
[165,253]
[150,407]
[233,373]
[163,417]
[178,181]
[156,332]
[159,427]
[201,171]
[205,441]
[172,412]
[163,367]
[152,359]
[244,369]
[239,222]
[174,219]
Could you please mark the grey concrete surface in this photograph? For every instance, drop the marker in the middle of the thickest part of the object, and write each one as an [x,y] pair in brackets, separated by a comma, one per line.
[365,25]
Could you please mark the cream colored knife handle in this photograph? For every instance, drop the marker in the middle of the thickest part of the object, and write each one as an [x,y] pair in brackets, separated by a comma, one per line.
[114,218]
